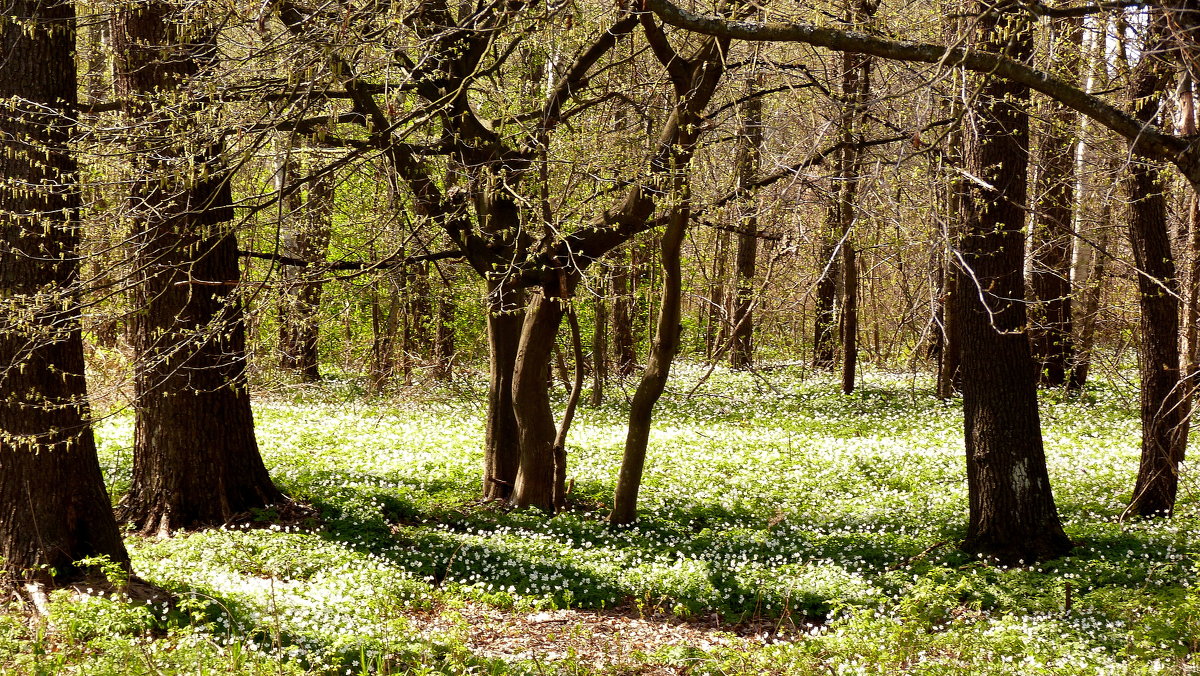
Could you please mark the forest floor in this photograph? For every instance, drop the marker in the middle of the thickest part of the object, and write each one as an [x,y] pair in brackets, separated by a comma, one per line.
[784,528]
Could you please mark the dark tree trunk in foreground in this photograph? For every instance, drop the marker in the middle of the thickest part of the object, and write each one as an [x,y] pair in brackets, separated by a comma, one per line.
[196,460]
[1051,244]
[53,506]
[306,239]
[535,485]
[1013,518]
[1164,434]
[502,442]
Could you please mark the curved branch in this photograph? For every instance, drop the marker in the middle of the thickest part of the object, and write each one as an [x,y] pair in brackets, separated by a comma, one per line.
[1147,139]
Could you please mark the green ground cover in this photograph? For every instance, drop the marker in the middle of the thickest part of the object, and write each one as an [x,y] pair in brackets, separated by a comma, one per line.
[829,519]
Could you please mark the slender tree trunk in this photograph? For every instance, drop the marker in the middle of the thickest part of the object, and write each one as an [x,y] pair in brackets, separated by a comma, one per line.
[1162,404]
[849,317]
[444,343]
[600,340]
[716,319]
[196,460]
[1012,514]
[1092,293]
[54,510]
[624,345]
[741,354]
[658,367]
[502,442]
[385,327]
[307,239]
[1052,240]
[824,318]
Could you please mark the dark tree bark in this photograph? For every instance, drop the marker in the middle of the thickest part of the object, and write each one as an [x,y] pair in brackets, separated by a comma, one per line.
[600,339]
[306,238]
[694,84]
[658,368]
[1164,435]
[54,510]
[502,444]
[196,460]
[531,400]
[849,316]
[1012,513]
[824,317]
[741,353]
[1052,240]
[624,345]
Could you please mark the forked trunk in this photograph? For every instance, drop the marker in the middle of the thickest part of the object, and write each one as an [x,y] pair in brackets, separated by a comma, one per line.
[531,401]
[502,442]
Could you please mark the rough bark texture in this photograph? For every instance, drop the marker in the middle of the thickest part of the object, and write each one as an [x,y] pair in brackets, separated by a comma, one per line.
[1162,405]
[1052,240]
[53,506]
[196,460]
[1012,513]
[502,442]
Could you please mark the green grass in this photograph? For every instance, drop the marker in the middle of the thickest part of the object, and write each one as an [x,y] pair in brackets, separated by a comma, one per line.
[833,516]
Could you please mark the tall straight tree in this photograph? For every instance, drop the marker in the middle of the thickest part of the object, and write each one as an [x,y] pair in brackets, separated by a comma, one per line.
[196,461]
[54,510]
[1051,241]
[1164,431]
[749,159]
[304,235]
[1012,513]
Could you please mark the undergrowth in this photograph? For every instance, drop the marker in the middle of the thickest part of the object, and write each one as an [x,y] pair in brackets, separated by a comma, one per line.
[765,496]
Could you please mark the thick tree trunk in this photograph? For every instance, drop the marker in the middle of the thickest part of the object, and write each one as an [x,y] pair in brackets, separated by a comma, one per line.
[531,401]
[196,460]
[1013,518]
[54,510]
[1052,240]
[502,441]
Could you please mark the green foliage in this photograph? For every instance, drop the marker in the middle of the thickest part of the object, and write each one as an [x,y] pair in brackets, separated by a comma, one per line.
[831,518]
